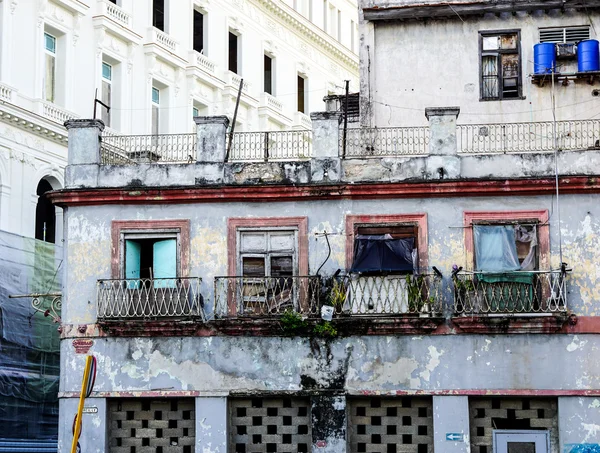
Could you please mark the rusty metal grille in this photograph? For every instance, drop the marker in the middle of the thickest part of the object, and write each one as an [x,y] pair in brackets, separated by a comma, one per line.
[145,425]
[487,414]
[391,425]
[260,425]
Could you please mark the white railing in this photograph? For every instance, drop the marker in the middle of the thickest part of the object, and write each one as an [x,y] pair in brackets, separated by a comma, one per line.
[269,146]
[386,294]
[527,137]
[518,292]
[163,39]
[267,100]
[234,80]
[116,13]
[366,142]
[149,298]
[6,93]
[303,120]
[54,113]
[202,62]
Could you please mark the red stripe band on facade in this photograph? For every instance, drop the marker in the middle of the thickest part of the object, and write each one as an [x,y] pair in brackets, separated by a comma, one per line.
[513,187]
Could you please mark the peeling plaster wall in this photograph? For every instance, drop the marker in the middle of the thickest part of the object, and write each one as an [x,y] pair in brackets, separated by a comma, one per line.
[89,248]
[355,364]
[579,424]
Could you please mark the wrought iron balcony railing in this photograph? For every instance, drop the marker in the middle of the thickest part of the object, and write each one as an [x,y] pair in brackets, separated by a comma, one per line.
[367,142]
[527,137]
[149,298]
[266,296]
[273,145]
[521,292]
[162,148]
[386,295]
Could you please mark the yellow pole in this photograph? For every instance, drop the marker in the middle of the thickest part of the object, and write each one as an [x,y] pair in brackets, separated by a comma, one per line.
[77,430]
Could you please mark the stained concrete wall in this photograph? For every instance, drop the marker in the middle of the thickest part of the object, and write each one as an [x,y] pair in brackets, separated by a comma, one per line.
[89,251]
[407,66]
[579,424]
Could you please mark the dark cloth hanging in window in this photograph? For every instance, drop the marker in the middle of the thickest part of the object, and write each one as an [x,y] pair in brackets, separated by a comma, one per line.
[382,253]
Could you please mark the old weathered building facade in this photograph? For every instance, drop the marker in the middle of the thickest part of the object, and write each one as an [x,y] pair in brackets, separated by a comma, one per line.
[458,264]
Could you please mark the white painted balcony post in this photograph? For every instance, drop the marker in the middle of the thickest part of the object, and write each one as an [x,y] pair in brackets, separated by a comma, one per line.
[442,129]
[83,152]
[211,133]
[325,164]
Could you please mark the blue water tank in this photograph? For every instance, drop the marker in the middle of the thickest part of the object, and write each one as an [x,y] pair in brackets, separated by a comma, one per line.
[588,56]
[544,58]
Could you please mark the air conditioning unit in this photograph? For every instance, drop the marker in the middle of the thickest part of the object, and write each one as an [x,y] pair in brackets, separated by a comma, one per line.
[566,50]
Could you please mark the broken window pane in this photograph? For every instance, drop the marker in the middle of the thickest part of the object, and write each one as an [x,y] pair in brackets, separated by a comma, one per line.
[508,41]
[253,266]
[282,266]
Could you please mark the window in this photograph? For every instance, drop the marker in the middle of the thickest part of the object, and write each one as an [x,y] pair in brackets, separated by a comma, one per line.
[352,36]
[268,75]
[301,94]
[310,10]
[500,65]
[505,247]
[384,257]
[268,253]
[155,110]
[150,249]
[325,9]
[45,214]
[268,264]
[195,112]
[107,71]
[339,26]
[50,68]
[332,20]
[565,34]
[158,14]
[150,257]
[198,32]
[233,52]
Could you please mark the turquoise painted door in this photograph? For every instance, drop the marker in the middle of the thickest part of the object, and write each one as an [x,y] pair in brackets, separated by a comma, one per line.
[165,263]
[132,263]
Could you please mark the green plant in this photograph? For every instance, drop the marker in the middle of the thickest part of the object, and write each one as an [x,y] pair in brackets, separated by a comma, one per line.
[325,329]
[414,289]
[292,322]
[337,295]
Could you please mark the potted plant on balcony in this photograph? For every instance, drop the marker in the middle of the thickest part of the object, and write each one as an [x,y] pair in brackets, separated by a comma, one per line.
[418,300]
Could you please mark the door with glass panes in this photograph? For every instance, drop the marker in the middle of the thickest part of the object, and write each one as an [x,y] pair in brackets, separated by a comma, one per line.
[516,441]
[268,264]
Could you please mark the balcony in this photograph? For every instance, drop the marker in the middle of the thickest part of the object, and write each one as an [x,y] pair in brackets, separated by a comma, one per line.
[519,294]
[116,21]
[267,296]
[270,146]
[6,93]
[148,299]
[379,142]
[528,137]
[54,113]
[198,60]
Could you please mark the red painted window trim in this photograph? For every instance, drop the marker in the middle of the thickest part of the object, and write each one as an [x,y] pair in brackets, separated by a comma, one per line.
[119,226]
[419,219]
[541,217]
[233,223]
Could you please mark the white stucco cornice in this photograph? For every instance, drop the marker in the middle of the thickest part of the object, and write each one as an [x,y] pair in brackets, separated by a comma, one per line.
[310,31]
[33,123]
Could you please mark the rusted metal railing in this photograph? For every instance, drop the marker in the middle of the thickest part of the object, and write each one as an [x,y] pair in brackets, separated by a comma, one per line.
[385,141]
[386,294]
[266,296]
[162,148]
[273,145]
[149,298]
[510,292]
[527,137]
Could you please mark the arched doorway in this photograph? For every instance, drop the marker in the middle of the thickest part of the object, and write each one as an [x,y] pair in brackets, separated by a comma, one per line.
[45,214]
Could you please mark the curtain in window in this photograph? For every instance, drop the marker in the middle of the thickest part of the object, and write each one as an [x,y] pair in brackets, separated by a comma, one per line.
[489,76]
[495,248]
[381,253]
[523,235]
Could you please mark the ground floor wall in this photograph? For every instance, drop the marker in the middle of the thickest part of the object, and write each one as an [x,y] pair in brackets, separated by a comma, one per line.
[400,390]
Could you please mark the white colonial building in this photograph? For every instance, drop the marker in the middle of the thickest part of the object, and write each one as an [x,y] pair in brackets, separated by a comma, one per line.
[156,63]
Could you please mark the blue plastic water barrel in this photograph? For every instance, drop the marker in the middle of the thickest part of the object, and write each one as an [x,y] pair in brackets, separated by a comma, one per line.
[544,58]
[588,56]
